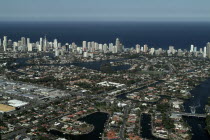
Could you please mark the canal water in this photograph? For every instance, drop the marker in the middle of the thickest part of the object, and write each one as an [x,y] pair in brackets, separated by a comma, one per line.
[95,65]
[199,99]
[98,119]
[146,130]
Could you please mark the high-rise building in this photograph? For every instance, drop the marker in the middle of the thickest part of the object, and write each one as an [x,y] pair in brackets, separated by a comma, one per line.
[152,50]
[118,45]
[9,43]
[39,48]
[142,49]
[56,52]
[100,47]
[5,43]
[41,44]
[160,50]
[23,41]
[96,46]
[110,47]
[179,53]
[208,49]
[55,44]
[29,44]
[45,44]
[195,49]
[145,48]
[84,46]
[201,50]
[15,44]
[114,49]
[0,42]
[138,48]
[92,49]
[89,46]
[117,42]
[204,52]
[191,48]
[105,47]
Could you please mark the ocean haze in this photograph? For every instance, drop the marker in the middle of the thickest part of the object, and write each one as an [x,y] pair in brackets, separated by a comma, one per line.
[106,10]
[155,34]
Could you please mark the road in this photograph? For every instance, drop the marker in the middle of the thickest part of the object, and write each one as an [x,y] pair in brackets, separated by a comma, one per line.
[122,128]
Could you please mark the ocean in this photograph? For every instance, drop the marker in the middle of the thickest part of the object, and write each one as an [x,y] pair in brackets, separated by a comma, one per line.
[155,34]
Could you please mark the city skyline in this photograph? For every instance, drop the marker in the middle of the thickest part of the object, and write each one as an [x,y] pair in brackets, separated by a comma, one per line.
[89,48]
[94,10]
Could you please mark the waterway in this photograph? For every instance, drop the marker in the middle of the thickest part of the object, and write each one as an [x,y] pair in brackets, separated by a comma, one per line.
[98,119]
[95,65]
[146,131]
[200,98]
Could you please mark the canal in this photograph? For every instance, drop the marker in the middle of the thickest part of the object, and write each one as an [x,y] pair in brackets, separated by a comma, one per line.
[146,130]
[98,119]
[199,99]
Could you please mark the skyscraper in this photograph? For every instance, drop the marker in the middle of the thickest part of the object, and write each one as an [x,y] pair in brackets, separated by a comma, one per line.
[89,46]
[55,44]
[138,48]
[45,44]
[84,46]
[195,49]
[92,46]
[208,49]
[96,46]
[23,41]
[30,47]
[105,48]
[28,44]
[5,43]
[9,43]
[110,47]
[100,47]
[204,52]
[15,44]
[40,43]
[191,48]
[117,42]
[145,48]
[118,45]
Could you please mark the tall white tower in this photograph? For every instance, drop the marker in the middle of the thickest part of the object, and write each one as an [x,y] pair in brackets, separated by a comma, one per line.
[55,43]
[41,44]
[191,48]
[5,43]
[138,48]
[204,52]
[29,44]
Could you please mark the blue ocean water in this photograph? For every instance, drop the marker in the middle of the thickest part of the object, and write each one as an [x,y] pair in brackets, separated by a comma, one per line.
[155,34]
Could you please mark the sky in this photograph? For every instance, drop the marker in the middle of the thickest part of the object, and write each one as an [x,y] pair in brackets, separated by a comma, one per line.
[105,10]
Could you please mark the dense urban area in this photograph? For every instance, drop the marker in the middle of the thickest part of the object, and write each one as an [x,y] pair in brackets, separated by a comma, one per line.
[51,91]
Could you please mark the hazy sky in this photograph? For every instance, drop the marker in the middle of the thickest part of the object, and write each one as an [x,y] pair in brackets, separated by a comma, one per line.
[105,10]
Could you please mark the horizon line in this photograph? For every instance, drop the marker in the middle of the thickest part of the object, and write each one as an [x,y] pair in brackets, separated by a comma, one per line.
[104,21]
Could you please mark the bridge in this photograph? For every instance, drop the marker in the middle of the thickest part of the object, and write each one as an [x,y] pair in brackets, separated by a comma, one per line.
[189,114]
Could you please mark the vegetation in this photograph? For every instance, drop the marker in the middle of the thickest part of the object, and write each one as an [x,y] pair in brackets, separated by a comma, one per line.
[131,56]
[167,122]
[163,107]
